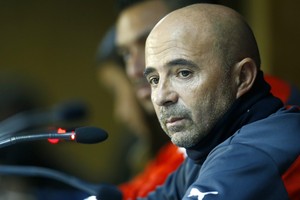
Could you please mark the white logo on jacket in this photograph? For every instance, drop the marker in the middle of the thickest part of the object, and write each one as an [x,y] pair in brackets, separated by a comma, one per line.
[195,192]
[91,198]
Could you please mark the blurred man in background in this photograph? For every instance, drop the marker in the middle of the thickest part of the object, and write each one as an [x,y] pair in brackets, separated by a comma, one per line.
[127,111]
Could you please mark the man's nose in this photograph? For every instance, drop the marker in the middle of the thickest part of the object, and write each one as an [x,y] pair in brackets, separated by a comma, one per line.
[164,94]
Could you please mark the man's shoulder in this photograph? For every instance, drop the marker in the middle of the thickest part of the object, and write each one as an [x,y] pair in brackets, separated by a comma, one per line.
[284,122]
[277,136]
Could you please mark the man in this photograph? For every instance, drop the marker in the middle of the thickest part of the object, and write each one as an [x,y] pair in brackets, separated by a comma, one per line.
[111,75]
[135,21]
[209,94]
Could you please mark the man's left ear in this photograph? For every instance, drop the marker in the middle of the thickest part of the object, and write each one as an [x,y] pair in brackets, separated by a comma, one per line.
[247,71]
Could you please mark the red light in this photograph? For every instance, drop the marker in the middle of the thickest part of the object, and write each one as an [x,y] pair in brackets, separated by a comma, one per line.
[60,130]
[73,136]
[55,141]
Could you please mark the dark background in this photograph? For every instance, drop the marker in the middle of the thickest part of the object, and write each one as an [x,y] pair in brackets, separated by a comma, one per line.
[52,44]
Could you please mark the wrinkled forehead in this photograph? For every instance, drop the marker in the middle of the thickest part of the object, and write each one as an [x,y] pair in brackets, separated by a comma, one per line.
[138,20]
[175,40]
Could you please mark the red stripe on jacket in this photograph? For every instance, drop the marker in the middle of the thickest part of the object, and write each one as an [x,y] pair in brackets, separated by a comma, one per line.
[291,179]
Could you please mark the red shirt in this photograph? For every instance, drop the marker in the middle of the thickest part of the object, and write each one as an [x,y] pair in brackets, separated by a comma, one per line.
[167,160]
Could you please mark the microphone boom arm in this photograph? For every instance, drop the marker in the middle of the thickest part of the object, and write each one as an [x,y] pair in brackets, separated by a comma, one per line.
[26,138]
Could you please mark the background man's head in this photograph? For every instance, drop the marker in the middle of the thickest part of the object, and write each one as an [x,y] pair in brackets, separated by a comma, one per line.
[135,21]
[110,71]
[197,67]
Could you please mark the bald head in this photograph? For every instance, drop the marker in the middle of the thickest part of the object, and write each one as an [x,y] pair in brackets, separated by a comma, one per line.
[199,60]
[229,34]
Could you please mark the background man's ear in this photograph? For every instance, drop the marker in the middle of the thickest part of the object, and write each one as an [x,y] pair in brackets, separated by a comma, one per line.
[247,71]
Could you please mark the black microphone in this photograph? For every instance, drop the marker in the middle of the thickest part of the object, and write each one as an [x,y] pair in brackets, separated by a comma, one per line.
[67,111]
[85,135]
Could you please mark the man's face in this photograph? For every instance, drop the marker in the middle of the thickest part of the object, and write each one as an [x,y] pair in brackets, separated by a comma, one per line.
[133,27]
[190,90]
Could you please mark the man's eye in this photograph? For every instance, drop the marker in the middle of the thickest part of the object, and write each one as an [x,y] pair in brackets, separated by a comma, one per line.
[184,73]
[153,80]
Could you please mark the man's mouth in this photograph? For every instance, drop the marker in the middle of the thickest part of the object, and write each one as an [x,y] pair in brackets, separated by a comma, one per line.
[174,121]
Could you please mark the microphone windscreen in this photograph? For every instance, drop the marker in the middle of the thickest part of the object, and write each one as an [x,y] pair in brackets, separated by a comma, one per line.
[90,135]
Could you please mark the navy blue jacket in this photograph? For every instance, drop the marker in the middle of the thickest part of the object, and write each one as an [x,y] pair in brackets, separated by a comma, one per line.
[253,152]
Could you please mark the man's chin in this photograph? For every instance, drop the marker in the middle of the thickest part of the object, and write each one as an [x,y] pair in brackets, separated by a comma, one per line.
[181,139]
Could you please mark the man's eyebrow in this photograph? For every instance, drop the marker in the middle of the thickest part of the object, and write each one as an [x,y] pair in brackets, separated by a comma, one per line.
[182,62]
[172,63]
[148,70]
